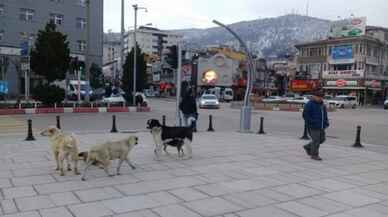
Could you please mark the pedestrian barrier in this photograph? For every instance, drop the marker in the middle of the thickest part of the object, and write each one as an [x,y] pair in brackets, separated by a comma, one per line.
[305,133]
[261,131]
[58,121]
[114,128]
[164,120]
[30,136]
[358,144]
[210,129]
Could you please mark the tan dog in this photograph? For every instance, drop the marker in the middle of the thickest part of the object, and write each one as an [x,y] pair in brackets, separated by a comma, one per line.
[63,147]
[103,154]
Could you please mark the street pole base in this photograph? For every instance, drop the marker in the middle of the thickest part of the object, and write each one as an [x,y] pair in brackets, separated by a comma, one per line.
[358,145]
[304,137]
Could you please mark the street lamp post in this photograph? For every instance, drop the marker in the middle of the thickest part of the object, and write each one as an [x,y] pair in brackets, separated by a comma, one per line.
[246,110]
[121,63]
[136,8]
[87,56]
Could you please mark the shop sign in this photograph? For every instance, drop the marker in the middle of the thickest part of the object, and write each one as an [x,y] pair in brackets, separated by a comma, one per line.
[345,74]
[304,85]
[341,83]
[373,84]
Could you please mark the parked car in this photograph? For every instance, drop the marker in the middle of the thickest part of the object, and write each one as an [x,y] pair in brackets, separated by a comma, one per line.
[344,101]
[273,99]
[228,94]
[386,104]
[114,99]
[209,101]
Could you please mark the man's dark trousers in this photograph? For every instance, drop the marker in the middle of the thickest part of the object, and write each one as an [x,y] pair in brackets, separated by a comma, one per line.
[318,137]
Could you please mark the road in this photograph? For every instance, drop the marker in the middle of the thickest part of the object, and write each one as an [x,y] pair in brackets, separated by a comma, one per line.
[374,122]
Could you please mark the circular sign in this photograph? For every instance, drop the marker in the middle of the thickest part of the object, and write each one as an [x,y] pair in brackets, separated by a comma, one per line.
[219,61]
[356,22]
[340,83]
[209,77]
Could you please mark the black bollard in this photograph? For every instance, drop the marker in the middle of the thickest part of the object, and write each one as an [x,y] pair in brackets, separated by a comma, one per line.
[358,144]
[114,129]
[58,122]
[210,129]
[305,133]
[164,120]
[261,131]
[30,136]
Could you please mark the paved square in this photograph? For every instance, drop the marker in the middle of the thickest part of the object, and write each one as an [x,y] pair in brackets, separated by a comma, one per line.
[230,175]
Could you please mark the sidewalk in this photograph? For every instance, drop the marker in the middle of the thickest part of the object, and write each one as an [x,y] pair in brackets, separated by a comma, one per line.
[230,175]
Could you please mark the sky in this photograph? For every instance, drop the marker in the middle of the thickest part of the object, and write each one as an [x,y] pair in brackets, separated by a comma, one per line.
[179,14]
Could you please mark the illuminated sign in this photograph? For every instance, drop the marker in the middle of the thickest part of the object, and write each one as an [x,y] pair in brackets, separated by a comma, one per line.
[209,77]
[342,52]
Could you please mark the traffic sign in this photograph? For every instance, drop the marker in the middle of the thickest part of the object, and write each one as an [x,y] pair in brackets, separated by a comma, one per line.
[24,48]
[25,66]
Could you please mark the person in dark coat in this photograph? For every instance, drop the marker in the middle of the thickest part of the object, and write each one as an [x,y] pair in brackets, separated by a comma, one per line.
[188,107]
[315,116]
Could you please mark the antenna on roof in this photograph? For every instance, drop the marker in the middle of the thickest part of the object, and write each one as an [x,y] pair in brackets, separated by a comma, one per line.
[307,7]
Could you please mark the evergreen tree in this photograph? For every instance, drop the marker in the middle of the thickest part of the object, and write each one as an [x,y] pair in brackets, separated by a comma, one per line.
[96,76]
[141,72]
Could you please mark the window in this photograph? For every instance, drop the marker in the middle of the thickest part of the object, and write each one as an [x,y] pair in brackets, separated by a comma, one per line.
[1,34]
[343,67]
[26,14]
[81,23]
[57,18]
[81,44]
[1,10]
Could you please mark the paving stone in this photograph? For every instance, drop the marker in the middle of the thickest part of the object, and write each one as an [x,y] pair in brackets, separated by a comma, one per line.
[266,211]
[66,198]
[251,199]
[324,204]
[33,203]
[55,212]
[32,180]
[301,209]
[351,198]
[95,209]
[212,206]
[8,206]
[297,190]
[98,194]
[61,187]
[5,183]
[363,212]
[188,194]
[24,214]
[175,211]
[142,213]
[19,192]
[130,203]
[329,185]
[163,198]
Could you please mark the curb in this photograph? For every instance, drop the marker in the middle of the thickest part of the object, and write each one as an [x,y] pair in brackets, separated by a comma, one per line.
[20,111]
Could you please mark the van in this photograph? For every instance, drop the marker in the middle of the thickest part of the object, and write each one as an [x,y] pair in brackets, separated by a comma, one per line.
[228,94]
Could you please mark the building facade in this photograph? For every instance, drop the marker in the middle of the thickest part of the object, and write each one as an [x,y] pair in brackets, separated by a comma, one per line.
[348,65]
[152,41]
[20,21]
[112,56]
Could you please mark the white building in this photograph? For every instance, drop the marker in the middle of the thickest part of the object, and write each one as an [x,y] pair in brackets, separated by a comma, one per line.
[151,41]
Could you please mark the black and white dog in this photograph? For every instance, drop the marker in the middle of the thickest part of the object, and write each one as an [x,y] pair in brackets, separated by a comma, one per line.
[173,136]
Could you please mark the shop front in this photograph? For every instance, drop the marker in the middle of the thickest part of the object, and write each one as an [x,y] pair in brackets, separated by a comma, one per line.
[304,86]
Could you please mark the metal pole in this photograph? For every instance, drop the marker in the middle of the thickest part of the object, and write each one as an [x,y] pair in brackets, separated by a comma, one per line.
[246,110]
[134,56]
[87,56]
[79,85]
[25,84]
[121,41]
[178,85]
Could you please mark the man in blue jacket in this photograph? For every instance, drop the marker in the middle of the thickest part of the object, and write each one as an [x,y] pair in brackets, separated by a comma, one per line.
[315,116]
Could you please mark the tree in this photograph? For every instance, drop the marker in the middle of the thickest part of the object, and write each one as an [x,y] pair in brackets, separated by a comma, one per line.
[51,56]
[141,72]
[97,77]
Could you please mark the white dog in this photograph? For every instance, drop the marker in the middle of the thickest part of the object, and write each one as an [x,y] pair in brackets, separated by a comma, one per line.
[102,154]
[63,147]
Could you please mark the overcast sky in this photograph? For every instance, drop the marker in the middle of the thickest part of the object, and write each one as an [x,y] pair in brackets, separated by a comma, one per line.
[178,14]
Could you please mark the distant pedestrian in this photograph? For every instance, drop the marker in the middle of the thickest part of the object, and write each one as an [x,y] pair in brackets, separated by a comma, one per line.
[315,116]
[188,107]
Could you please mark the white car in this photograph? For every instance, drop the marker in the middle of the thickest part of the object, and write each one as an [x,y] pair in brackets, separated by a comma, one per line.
[114,99]
[344,101]
[386,104]
[209,101]
[273,99]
